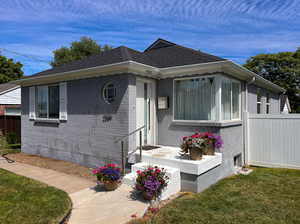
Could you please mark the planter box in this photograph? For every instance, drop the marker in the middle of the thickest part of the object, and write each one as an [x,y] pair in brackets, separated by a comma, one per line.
[169,156]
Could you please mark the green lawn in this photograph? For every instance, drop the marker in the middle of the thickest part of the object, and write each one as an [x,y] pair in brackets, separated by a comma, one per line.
[267,196]
[8,148]
[25,201]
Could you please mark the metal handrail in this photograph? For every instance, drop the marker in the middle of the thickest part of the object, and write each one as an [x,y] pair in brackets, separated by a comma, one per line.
[131,133]
[122,145]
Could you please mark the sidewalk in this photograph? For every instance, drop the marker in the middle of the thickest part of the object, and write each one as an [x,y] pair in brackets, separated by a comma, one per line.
[89,205]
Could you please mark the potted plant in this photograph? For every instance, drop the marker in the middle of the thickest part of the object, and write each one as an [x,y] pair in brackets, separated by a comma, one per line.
[193,145]
[211,142]
[200,144]
[151,181]
[109,175]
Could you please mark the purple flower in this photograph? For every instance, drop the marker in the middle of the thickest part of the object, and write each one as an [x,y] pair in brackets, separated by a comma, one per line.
[151,184]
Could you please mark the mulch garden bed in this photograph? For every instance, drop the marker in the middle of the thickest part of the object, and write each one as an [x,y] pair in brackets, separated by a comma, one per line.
[53,164]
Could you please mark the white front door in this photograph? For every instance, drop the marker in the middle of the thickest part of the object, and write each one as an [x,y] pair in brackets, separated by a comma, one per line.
[145,93]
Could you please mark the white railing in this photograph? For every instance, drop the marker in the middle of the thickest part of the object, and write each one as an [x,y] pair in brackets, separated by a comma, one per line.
[273,140]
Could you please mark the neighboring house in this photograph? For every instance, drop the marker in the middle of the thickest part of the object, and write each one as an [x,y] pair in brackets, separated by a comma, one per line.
[77,111]
[10,108]
[285,107]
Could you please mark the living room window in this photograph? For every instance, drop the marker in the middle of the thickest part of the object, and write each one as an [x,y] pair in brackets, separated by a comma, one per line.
[47,101]
[230,91]
[198,99]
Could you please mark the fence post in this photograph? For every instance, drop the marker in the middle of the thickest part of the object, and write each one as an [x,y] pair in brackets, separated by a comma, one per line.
[246,138]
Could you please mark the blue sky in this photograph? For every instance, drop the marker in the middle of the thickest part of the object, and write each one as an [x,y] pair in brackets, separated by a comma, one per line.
[233,29]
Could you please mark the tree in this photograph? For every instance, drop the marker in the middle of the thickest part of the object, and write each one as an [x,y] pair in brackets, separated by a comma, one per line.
[78,50]
[9,70]
[282,69]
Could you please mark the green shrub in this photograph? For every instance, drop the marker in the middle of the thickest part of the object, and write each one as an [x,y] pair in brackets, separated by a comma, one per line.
[11,138]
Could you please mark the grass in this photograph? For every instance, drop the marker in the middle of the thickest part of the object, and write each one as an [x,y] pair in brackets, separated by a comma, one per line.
[8,148]
[266,196]
[26,201]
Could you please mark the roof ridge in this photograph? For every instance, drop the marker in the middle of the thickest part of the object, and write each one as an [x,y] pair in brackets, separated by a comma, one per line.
[125,53]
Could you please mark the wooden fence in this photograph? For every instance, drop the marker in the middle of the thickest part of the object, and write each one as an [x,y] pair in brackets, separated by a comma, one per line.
[273,140]
[10,124]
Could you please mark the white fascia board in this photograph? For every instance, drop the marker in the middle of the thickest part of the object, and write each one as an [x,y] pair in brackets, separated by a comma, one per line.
[258,79]
[117,68]
[158,73]
[177,71]
[8,90]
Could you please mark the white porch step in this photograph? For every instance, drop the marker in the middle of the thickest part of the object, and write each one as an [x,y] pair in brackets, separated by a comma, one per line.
[170,156]
[174,185]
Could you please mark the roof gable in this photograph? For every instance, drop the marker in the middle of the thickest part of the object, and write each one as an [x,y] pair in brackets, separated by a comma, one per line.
[159,43]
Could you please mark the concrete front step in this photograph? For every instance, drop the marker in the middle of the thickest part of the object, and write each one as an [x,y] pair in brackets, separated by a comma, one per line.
[174,185]
[170,156]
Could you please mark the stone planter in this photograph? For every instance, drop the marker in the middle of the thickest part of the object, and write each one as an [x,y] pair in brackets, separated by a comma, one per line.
[110,186]
[195,154]
[209,150]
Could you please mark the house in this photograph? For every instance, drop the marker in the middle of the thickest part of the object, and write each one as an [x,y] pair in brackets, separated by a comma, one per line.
[10,108]
[79,110]
[285,107]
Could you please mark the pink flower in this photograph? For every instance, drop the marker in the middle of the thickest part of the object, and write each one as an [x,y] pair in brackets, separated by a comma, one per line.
[196,135]
[184,138]
[138,172]
[157,171]
[94,171]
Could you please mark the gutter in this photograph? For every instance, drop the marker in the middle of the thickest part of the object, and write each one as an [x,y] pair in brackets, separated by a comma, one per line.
[154,72]
[125,65]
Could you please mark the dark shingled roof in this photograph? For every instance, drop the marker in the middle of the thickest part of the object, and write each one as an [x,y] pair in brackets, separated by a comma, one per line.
[160,54]
[6,86]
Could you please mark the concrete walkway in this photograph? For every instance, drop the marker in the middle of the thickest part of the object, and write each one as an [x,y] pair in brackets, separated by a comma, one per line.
[65,182]
[90,206]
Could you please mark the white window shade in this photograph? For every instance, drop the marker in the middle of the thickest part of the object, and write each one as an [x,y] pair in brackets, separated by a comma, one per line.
[32,102]
[63,101]
[230,100]
[195,99]
[198,99]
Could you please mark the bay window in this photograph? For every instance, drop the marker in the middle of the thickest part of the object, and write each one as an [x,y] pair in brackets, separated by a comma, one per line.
[230,100]
[47,101]
[206,98]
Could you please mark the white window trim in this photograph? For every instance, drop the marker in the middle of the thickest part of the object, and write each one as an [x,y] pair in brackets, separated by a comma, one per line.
[103,92]
[218,101]
[45,119]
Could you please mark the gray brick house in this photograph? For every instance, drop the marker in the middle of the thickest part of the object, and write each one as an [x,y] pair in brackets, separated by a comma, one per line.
[77,111]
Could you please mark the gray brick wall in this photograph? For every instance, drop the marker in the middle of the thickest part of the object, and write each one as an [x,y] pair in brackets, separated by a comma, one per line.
[85,138]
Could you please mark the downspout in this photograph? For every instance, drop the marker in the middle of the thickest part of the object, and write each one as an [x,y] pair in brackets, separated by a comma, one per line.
[244,118]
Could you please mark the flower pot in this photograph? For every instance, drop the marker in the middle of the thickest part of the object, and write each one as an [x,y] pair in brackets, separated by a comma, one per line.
[147,197]
[195,154]
[110,186]
[139,187]
[209,150]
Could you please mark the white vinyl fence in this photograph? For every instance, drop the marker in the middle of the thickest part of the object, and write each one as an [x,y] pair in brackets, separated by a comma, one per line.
[273,140]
